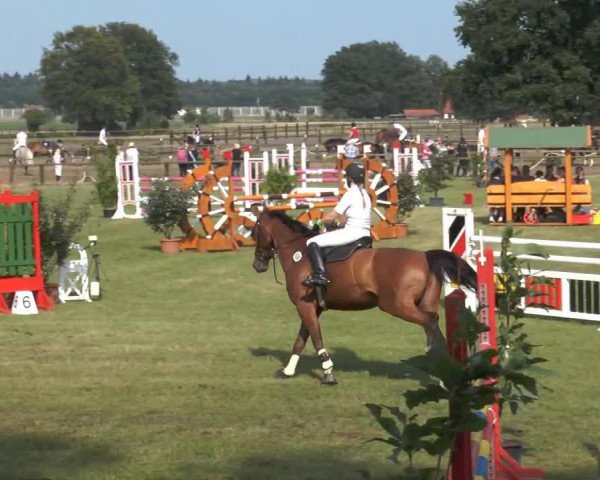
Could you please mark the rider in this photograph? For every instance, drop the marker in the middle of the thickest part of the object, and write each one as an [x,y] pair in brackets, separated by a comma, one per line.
[402,132]
[354,135]
[20,141]
[355,209]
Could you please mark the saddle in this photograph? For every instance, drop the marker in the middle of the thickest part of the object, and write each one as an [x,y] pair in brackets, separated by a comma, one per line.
[342,252]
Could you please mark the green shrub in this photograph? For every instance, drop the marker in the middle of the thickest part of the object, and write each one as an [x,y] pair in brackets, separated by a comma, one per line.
[165,207]
[278,180]
[408,196]
[60,222]
[106,178]
[434,179]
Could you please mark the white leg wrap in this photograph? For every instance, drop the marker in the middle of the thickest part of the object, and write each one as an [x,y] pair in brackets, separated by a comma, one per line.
[290,368]
[327,364]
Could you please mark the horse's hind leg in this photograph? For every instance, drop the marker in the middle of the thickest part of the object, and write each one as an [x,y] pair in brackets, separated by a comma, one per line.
[423,314]
[299,344]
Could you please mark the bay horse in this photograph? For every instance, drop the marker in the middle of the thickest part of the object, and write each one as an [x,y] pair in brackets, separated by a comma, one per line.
[402,282]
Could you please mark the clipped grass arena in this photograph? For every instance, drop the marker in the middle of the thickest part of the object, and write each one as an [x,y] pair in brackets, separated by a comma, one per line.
[169,375]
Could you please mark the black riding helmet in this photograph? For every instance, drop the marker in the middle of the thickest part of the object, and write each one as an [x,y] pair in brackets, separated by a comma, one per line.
[356,173]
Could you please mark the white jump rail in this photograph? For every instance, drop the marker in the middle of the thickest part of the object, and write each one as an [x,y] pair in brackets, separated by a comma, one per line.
[569,295]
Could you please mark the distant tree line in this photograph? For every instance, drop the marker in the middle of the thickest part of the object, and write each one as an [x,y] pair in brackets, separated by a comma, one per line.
[278,93]
[18,90]
[539,57]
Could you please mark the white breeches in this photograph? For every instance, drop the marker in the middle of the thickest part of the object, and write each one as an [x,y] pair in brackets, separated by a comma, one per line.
[339,237]
[58,169]
[353,140]
[18,145]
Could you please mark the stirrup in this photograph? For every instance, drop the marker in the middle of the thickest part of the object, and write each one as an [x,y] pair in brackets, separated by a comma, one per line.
[316,281]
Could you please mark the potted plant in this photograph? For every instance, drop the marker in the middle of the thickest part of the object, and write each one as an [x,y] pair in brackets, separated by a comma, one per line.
[434,178]
[164,207]
[408,200]
[106,180]
[60,222]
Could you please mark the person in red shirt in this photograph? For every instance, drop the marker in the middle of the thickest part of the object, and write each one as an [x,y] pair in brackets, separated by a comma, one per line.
[354,135]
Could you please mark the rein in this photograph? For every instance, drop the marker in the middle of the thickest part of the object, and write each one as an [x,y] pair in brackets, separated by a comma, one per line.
[266,255]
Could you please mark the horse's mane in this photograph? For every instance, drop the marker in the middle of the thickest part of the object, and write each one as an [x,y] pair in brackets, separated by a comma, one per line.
[294,225]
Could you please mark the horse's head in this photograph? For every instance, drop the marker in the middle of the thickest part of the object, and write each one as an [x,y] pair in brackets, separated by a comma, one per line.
[263,238]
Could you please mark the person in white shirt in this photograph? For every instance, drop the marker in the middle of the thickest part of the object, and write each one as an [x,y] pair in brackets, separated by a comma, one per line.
[102,137]
[481,140]
[354,208]
[132,154]
[57,161]
[402,132]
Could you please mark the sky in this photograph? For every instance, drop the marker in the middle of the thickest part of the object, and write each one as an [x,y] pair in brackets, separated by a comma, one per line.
[229,39]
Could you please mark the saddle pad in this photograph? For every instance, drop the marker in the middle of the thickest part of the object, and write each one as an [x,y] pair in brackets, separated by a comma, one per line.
[342,252]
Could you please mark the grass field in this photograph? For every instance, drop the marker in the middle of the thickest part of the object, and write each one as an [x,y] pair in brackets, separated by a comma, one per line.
[169,375]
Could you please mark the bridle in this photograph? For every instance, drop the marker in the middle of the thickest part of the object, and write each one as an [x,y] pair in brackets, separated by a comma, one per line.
[263,254]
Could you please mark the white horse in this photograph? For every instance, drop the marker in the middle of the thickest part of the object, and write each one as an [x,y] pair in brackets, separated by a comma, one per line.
[24,156]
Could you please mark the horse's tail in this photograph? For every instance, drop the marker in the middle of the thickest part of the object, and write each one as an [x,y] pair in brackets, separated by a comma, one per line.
[449,267]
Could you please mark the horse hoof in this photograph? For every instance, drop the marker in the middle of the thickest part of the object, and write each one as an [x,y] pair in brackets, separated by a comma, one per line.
[328,379]
[280,375]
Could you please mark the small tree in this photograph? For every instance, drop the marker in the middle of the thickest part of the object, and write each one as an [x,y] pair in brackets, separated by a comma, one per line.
[278,180]
[434,178]
[165,206]
[227,115]
[60,221]
[106,177]
[408,196]
[35,118]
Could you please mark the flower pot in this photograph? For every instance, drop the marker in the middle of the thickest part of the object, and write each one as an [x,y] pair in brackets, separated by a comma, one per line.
[169,246]
[109,212]
[436,202]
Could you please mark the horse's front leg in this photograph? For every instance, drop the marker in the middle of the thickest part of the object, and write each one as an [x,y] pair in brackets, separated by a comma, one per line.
[299,344]
[310,318]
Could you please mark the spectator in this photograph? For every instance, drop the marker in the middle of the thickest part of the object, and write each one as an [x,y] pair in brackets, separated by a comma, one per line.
[205,155]
[515,174]
[182,160]
[196,134]
[550,174]
[579,178]
[560,174]
[353,135]
[237,157]
[102,137]
[426,153]
[57,161]
[526,174]
[539,176]
[462,154]
[496,178]
[481,140]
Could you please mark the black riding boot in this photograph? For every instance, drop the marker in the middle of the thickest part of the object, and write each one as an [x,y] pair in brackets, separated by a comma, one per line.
[318,277]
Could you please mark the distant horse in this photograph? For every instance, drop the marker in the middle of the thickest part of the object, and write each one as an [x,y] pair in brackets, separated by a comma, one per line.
[332,144]
[24,157]
[47,148]
[402,282]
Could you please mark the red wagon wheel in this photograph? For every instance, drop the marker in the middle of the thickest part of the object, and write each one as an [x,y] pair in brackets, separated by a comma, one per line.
[530,217]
